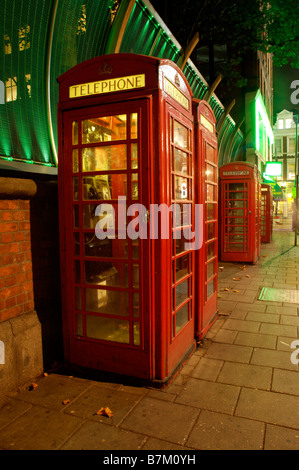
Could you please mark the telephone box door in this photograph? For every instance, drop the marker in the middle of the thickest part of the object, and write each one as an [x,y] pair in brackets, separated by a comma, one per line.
[105,171]
[238,220]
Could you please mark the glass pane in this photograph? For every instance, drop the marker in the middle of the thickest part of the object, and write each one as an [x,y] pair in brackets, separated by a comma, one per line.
[104,187]
[75,189]
[181,267]
[135,189]
[135,276]
[181,162]
[106,273]
[77,272]
[180,135]
[76,216]
[108,329]
[75,132]
[210,270]
[182,292]
[180,242]
[136,313]
[107,157]
[79,325]
[134,156]
[104,129]
[135,249]
[136,329]
[210,153]
[211,231]
[107,301]
[181,188]
[134,126]
[211,173]
[78,298]
[183,215]
[75,161]
[211,192]
[107,248]
[210,251]
[210,289]
[210,211]
[77,244]
[182,318]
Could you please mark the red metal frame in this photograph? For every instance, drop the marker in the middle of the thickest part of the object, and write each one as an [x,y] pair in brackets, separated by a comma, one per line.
[266,213]
[240,188]
[206,191]
[161,98]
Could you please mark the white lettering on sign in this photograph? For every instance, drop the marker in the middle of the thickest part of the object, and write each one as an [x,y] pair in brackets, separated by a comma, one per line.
[107,86]
[238,173]
[176,94]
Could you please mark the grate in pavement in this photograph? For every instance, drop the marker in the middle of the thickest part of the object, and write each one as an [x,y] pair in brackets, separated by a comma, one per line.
[279,295]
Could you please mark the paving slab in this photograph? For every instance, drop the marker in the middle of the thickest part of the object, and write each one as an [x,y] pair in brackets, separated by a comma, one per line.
[162,420]
[216,431]
[246,375]
[279,438]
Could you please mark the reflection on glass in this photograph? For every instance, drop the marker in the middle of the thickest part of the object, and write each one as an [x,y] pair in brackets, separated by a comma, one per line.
[210,251]
[182,292]
[211,173]
[105,158]
[180,242]
[181,162]
[107,248]
[104,129]
[134,126]
[210,153]
[134,156]
[136,330]
[210,211]
[211,192]
[180,135]
[182,318]
[136,313]
[108,329]
[106,273]
[75,132]
[104,187]
[210,289]
[135,189]
[75,161]
[181,188]
[107,301]
[210,270]
[75,189]
[210,230]
[181,267]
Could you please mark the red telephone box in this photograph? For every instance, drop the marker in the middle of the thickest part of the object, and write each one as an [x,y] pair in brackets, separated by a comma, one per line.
[125,158]
[266,213]
[206,194]
[240,212]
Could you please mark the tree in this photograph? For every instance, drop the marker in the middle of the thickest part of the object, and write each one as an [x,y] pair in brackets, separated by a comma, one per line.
[239,26]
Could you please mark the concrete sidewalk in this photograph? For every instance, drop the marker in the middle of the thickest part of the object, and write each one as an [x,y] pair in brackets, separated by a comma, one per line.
[239,390]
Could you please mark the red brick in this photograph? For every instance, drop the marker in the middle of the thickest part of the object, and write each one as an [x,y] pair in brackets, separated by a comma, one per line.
[9,227]
[26,266]
[11,302]
[6,215]
[29,276]
[24,226]
[11,281]
[19,215]
[6,271]
[9,259]
[25,246]
[22,298]
[11,312]
[19,258]
[19,236]
[13,205]
[28,307]
[27,286]
[30,295]
[24,205]
[11,292]
[7,238]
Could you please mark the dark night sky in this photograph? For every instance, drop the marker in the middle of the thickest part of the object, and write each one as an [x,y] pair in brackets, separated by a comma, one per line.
[283,76]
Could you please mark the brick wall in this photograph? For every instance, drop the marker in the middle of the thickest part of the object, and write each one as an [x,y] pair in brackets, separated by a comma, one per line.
[16,285]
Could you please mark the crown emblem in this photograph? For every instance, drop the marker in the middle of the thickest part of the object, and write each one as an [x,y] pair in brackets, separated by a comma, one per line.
[177,80]
[105,68]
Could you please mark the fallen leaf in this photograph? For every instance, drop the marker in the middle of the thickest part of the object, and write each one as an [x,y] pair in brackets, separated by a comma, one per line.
[236,290]
[264,256]
[105,412]
[236,279]
[227,288]
[33,386]
[65,402]
[45,374]
[219,296]
[247,275]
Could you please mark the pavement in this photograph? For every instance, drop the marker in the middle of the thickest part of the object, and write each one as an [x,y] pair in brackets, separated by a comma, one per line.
[238,391]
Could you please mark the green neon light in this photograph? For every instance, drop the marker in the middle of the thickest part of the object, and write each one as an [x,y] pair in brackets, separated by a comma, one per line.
[261,114]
